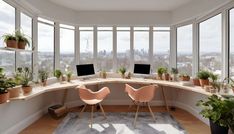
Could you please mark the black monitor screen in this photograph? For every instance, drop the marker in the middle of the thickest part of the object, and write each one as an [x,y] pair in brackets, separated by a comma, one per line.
[85,69]
[142,68]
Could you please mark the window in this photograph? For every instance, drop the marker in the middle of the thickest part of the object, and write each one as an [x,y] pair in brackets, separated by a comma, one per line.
[123,47]
[67,47]
[7,25]
[210,44]
[25,58]
[105,49]
[86,45]
[185,49]
[46,46]
[231,41]
[141,44]
[161,47]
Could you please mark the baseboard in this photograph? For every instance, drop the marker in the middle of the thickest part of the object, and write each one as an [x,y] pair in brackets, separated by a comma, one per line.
[26,122]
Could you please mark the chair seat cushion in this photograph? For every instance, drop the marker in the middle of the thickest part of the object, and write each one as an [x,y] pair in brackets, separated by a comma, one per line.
[92,102]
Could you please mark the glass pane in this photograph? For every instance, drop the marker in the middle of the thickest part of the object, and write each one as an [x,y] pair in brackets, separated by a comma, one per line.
[141,28]
[66,26]
[67,49]
[123,28]
[105,28]
[86,47]
[211,45]
[161,50]
[231,30]
[185,49]
[7,61]
[25,59]
[105,51]
[141,47]
[85,28]
[46,47]
[123,49]
[7,20]
[45,20]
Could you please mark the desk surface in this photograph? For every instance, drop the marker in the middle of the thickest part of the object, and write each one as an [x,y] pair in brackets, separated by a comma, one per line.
[38,90]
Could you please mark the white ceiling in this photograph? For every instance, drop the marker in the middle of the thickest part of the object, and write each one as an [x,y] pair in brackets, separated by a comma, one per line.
[121,5]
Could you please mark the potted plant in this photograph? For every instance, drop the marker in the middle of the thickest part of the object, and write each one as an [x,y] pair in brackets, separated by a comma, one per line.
[10,40]
[174,72]
[43,76]
[69,75]
[160,72]
[219,111]
[203,77]
[184,77]
[128,75]
[16,88]
[166,74]
[22,39]
[58,73]
[122,71]
[103,74]
[26,76]
[5,84]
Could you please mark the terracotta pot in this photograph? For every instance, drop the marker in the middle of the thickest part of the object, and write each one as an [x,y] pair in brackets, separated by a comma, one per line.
[204,82]
[12,44]
[167,77]
[185,78]
[21,44]
[196,82]
[63,78]
[27,89]
[4,97]
[15,91]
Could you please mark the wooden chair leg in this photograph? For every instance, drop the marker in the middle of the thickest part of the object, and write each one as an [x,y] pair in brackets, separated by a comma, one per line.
[91,121]
[151,112]
[82,110]
[138,106]
[102,110]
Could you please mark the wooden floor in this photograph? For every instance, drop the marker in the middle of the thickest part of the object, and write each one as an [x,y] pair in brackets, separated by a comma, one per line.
[46,125]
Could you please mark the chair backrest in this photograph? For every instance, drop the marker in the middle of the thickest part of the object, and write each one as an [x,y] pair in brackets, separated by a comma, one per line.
[143,94]
[87,94]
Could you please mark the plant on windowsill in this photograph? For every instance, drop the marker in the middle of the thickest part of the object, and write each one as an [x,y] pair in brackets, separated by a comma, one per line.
[26,76]
[5,84]
[184,77]
[10,40]
[160,72]
[214,81]
[103,74]
[22,39]
[174,72]
[43,76]
[68,73]
[58,74]
[203,76]
[122,71]
[220,112]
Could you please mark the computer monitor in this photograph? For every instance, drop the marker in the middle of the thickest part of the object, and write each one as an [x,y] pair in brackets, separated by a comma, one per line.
[85,69]
[142,68]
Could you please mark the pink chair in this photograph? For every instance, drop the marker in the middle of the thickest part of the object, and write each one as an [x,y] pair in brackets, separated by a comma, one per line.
[92,98]
[142,95]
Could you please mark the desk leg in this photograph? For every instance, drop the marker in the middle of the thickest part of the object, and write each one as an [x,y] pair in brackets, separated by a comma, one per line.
[64,96]
[164,98]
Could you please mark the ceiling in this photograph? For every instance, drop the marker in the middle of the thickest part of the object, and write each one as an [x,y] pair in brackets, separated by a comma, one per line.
[121,5]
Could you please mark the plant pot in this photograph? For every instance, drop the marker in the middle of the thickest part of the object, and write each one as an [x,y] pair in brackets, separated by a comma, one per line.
[122,76]
[27,90]
[196,82]
[21,44]
[167,77]
[15,91]
[63,78]
[12,44]
[44,83]
[204,82]
[68,79]
[4,97]
[174,77]
[160,77]
[185,78]
[217,129]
